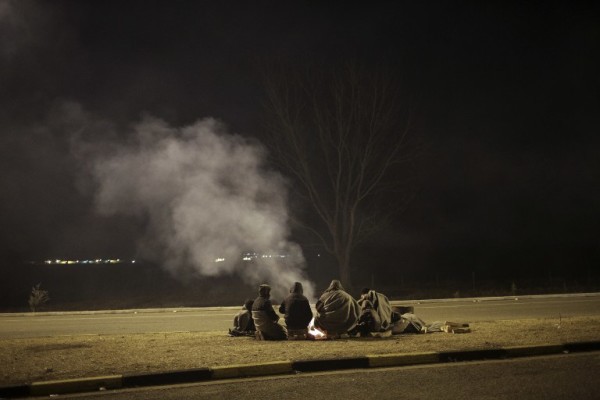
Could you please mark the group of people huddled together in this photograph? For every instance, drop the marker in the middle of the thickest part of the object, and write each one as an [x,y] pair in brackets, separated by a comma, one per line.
[338,314]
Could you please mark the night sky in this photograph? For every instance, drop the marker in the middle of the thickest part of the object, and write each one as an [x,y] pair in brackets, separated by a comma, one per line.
[507,96]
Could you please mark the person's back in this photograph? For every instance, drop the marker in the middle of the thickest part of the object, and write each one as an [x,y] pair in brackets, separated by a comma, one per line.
[368,321]
[379,306]
[243,323]
[265,318]
[296,308]
[338,312]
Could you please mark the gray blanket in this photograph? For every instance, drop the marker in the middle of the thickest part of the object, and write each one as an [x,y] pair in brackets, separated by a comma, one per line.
[338,312]
[381,307]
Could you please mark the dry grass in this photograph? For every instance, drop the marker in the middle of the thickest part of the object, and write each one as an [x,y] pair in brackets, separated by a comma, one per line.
[40,359]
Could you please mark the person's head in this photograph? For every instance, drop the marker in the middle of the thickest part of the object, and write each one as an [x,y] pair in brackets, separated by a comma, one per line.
[264,290]
[248,304]
[335,285]
[297,288]
[364,293]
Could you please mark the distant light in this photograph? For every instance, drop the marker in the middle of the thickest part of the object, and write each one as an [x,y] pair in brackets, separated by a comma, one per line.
[219,259]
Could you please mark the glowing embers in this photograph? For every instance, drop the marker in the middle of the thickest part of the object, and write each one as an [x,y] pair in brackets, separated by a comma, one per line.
[314,332]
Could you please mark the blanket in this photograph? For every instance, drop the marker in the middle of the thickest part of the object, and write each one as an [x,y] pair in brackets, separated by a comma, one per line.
[338,312]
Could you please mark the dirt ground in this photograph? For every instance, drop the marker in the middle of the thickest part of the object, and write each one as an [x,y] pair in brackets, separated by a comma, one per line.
[50,358]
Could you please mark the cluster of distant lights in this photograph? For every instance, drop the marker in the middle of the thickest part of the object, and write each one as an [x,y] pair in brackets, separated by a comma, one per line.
[95,261]
[254,256]
[245,257]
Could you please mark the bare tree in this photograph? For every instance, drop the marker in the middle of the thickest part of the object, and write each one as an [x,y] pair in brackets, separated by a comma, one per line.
[38,297]
[341,134]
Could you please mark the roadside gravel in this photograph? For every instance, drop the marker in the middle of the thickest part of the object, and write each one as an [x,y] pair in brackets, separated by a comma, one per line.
[41,359]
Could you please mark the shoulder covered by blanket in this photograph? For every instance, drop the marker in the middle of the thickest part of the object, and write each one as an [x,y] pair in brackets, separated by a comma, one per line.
[380,305]
[338,311]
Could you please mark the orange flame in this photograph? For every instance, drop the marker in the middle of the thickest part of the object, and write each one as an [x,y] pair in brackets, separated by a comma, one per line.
[315,332]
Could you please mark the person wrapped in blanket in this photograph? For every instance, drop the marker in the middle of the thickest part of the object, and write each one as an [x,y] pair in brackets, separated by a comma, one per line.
[243,324]
[337,311]
[376,315]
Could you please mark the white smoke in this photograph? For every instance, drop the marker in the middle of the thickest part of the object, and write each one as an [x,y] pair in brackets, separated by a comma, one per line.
[204,195]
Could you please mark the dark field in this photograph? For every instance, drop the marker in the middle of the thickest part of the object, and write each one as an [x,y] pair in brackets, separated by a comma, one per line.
[144,285]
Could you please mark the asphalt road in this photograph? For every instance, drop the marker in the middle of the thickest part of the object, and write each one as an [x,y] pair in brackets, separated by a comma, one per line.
[572,376]
[219,319]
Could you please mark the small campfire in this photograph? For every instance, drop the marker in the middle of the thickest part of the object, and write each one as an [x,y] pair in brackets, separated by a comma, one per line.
[314,332]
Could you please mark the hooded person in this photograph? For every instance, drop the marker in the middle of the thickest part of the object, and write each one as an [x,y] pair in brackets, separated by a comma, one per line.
[338,312]
[243,323]
[265,318]
[296,309]
[376,311]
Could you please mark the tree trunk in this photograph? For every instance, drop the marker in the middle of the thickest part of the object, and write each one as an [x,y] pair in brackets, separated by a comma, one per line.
[344,269]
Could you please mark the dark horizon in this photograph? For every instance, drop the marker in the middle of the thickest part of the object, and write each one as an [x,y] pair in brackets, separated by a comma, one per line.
[507,112]
[146,285]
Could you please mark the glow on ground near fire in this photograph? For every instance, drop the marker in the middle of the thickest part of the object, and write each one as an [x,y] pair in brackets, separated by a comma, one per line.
[315,332]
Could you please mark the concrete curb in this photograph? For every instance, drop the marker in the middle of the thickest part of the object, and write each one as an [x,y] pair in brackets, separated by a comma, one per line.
[76,385]
[166,378]
[245,370]
[330,364]
[398,360]
[92,384]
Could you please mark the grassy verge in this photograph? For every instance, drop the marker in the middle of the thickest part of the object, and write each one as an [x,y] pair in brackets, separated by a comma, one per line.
[40,359]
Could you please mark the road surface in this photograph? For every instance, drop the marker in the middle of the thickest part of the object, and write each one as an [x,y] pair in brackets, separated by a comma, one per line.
[219,319]
[572,376]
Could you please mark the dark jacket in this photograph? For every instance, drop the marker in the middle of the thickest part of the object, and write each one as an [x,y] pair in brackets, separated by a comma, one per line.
[296,308]
[265,319]
[264,305]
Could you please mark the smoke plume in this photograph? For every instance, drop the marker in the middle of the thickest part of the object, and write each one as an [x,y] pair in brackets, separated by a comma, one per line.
[206,198]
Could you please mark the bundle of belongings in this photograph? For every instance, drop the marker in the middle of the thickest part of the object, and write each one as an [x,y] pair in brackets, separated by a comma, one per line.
[410,323]
[448,327]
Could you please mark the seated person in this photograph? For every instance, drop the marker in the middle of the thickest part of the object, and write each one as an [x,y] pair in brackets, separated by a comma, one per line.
[243,324]
[265,318]
[368,321]
[296,309]
[338,312]
[377,309]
